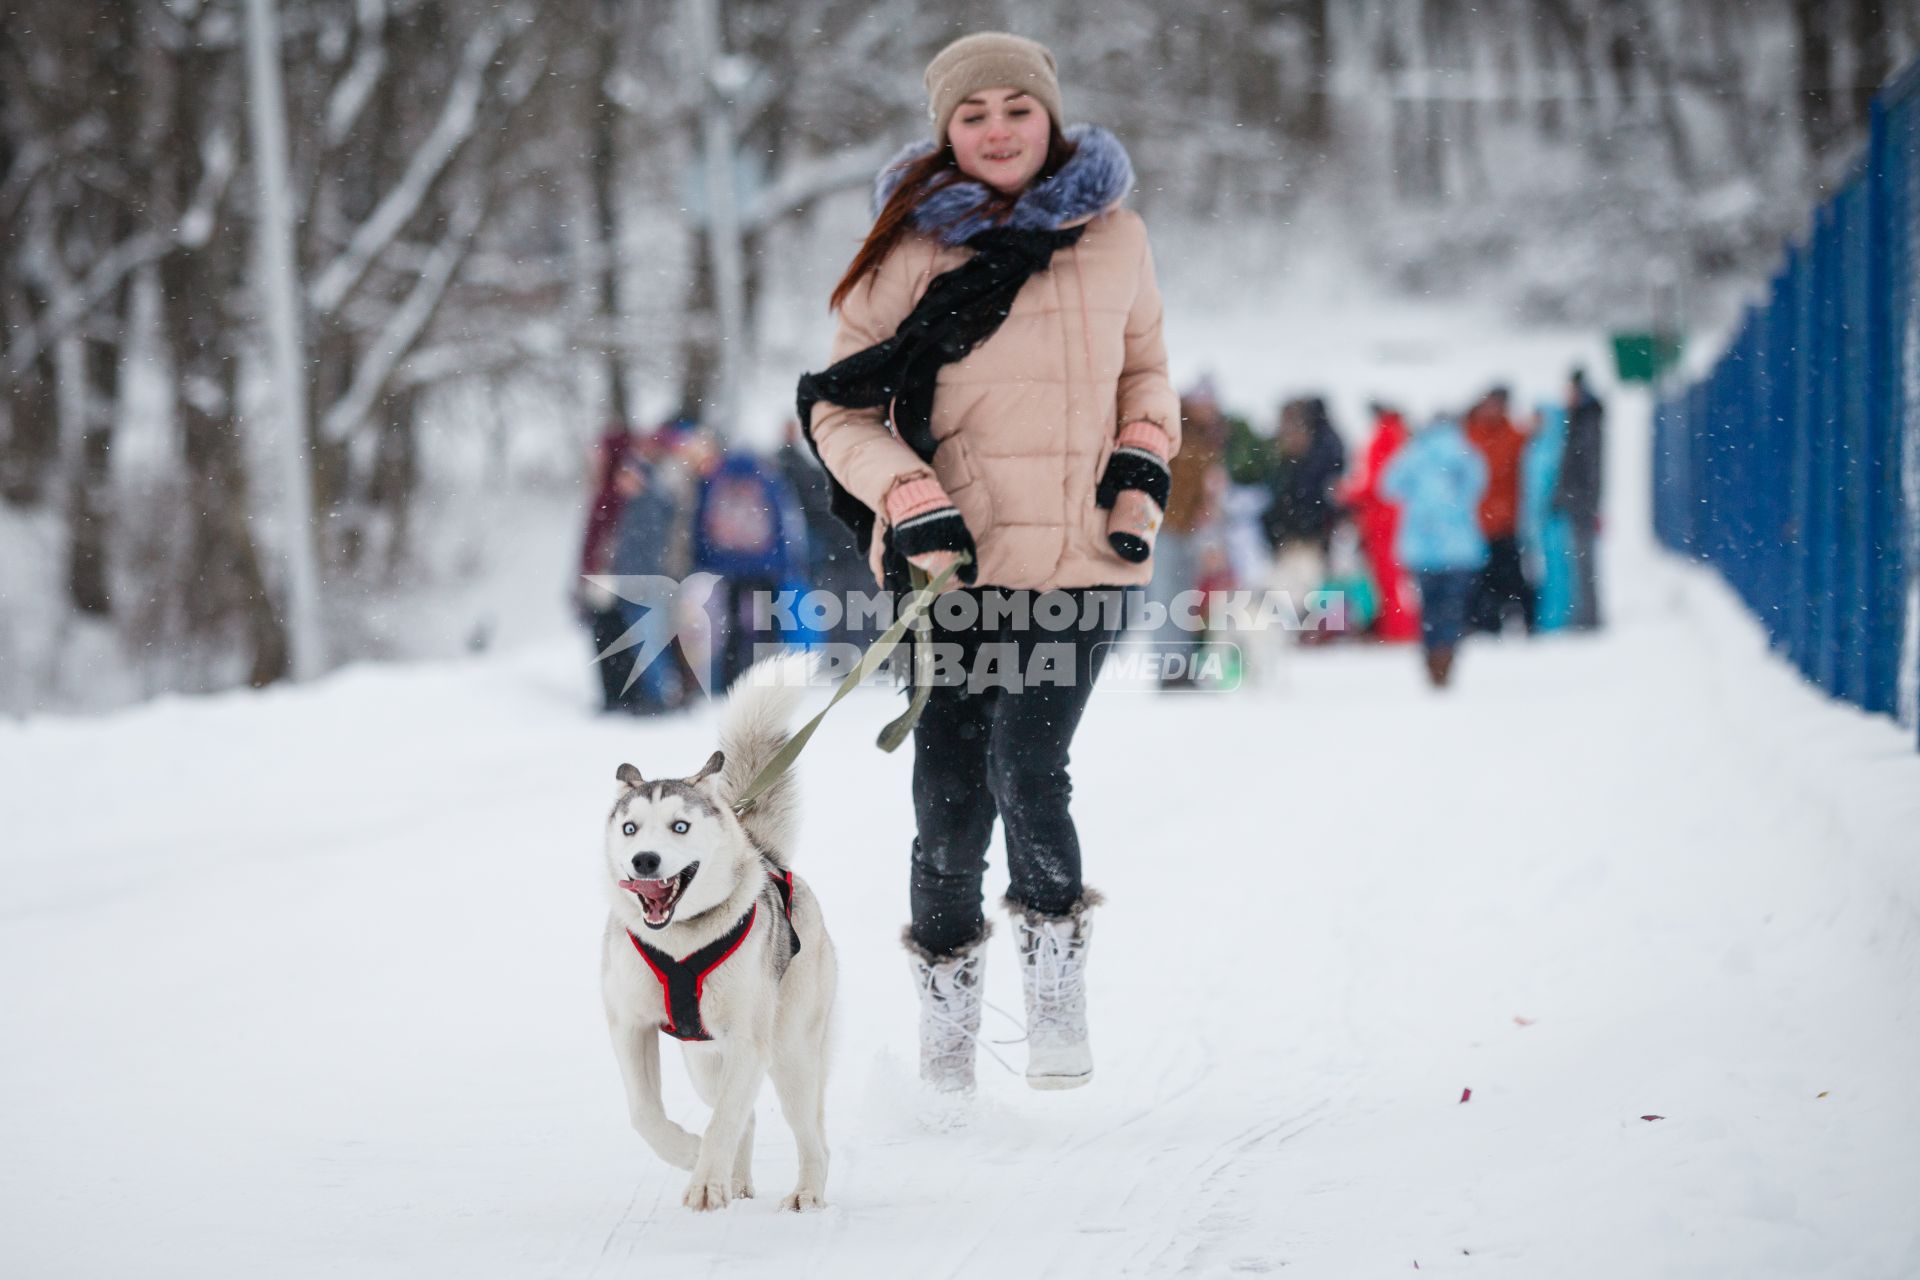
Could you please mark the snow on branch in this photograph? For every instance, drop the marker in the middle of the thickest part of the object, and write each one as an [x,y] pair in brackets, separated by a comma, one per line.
[74,305]
[547,341]
[355,89]
[480,358]
[508,272]
[219,158]
[801,184]
[404,327]
[75,302]
[760,92]
[450,135]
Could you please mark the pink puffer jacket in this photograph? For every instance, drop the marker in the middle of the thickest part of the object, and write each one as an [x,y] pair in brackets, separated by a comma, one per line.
[1026,422]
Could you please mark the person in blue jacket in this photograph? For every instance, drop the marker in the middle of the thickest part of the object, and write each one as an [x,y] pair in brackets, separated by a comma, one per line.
[1546,535]
[1437,479]
[643,546]
[750,530]
[1578,492]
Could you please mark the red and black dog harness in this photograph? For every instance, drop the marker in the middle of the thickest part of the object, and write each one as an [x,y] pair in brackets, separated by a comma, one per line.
[683,981]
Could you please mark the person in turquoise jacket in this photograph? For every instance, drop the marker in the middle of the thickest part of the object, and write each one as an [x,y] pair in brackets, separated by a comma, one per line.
[1437,480]
[1546,535]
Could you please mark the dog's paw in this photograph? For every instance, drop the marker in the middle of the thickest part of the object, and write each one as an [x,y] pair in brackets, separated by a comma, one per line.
[679,1149]
[706,1193]
[801,1199]
[742,1187]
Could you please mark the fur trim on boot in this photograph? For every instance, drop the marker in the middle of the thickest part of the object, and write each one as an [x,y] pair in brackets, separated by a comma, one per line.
[1087,901]
[919,952]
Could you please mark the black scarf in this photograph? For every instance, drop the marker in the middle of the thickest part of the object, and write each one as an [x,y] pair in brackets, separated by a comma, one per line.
[962,308]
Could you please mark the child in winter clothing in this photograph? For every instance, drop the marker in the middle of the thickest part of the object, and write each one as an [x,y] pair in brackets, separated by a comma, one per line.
[1438,479]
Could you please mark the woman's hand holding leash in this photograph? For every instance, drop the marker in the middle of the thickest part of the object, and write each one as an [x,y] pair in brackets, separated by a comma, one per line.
[928,529]
[934,563]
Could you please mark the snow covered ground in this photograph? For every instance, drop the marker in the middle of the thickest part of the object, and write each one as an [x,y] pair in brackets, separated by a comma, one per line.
[304,983]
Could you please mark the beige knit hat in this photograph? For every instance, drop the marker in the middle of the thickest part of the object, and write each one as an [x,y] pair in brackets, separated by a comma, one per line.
[989,60]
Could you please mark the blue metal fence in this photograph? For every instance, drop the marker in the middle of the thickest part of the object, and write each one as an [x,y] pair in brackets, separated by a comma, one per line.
[1794,466]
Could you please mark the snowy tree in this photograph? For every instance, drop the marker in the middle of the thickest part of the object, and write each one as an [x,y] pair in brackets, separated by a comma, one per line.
[407,109]
[499,194]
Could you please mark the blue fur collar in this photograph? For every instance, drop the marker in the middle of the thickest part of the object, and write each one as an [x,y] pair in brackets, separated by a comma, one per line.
[1098,175]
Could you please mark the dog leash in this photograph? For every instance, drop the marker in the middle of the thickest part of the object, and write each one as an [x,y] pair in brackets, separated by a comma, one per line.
[912,614]
[921,655]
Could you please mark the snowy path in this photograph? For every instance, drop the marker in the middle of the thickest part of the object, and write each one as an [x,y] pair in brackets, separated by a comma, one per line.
[304,984]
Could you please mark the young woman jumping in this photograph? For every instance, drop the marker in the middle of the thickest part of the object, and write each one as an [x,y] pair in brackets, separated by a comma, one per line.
[1000,392]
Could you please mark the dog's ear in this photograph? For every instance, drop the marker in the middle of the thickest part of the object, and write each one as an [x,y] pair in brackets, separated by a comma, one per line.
[628,774]
[715,763]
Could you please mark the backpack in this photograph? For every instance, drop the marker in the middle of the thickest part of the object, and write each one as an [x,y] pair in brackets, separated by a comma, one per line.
[737,517]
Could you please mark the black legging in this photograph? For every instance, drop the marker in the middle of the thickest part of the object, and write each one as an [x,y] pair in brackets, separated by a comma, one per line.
[741,639]
[995,750]
[1503,583]
[608,626]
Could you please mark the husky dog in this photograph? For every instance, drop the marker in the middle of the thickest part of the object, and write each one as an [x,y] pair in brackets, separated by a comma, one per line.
[713,940]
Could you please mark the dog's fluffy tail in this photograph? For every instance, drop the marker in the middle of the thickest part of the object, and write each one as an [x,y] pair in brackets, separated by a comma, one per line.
[753,727]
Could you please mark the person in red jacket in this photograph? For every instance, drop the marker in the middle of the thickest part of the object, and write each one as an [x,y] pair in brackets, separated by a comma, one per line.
[597,608]
[1377,520]
[1503,583]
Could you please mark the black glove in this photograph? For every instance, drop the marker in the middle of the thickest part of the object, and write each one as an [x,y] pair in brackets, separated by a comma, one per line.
[941,529]
[1144,471]
[1139,469]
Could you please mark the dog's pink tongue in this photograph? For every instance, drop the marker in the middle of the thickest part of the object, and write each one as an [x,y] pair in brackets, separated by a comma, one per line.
[655,895]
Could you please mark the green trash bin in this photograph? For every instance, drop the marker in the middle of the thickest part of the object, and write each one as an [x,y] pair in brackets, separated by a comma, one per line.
[1643,357]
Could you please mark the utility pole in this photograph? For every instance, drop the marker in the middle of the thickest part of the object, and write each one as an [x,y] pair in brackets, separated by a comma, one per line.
[721,78]
[267,117]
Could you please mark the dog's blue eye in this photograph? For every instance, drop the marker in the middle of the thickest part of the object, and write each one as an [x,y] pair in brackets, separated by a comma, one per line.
[681,827]
[628,830]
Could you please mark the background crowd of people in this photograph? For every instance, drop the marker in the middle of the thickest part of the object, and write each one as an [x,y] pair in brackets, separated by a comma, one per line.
[675,504]
[1465,523]
[1425,532]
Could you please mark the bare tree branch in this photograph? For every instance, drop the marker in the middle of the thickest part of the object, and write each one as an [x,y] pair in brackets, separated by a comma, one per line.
[76,303]
[355,89]
[112,268]
[404,327]
[800,185]
[451,133]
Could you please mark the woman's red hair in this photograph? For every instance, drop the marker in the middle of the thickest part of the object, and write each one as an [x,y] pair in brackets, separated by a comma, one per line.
[919,179]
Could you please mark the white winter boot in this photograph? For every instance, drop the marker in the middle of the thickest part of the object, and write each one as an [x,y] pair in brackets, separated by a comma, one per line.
[1053,970]
[949,1012]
